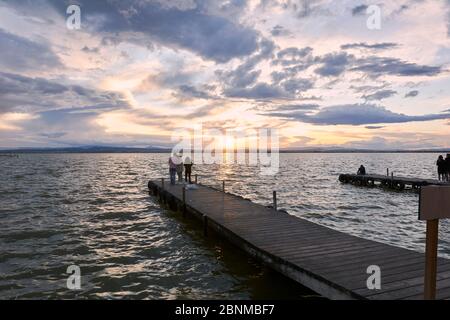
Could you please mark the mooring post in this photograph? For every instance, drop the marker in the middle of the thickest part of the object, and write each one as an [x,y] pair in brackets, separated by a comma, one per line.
[431,259]
[205,225]
[392,179]
[184,202]
[162,190]
[223,185]
[275,200]
[387,172]
[196,179]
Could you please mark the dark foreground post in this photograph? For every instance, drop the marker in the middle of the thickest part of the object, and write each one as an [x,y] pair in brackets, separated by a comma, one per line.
[275,200]
[223,185]
[431,259]
[205,225]
[434,204]
[387,172]
[196,179]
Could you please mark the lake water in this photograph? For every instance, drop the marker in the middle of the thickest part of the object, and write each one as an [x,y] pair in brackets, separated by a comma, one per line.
[94,211]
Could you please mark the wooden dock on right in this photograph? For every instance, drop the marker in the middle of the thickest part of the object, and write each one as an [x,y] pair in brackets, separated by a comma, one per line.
[332,263]
[388,181]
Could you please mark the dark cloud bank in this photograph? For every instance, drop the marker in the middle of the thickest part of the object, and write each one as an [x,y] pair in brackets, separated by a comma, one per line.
[354,114]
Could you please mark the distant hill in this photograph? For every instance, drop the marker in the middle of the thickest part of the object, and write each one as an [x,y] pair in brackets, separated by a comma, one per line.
[88,149]
[109,149]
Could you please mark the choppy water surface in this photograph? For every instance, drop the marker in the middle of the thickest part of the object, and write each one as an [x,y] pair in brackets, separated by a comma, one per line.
[93,210]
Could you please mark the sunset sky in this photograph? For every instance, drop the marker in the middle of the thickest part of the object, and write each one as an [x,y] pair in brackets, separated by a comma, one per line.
[138,70]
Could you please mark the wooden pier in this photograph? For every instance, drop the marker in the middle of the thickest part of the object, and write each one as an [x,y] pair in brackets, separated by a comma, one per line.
[331,263]
[388,181]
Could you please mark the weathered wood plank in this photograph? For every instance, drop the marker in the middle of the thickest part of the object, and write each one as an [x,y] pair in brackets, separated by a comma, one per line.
[330,262]
[393,182]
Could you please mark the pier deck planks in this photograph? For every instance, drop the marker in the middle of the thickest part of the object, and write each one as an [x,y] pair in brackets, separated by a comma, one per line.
[329,262]
[393,182]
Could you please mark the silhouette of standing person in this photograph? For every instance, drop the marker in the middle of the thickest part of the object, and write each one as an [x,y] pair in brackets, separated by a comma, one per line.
[441,167]
[361,171]
[188,169]
[172,169]
[447,167]
[179,168]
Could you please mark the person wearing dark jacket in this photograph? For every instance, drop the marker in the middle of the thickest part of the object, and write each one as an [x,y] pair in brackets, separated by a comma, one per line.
[361,171]
[188,170]
[442,168]
[447,166]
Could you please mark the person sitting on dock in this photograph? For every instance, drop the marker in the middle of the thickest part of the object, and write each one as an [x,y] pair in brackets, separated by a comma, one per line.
[441,166]
[361,171]
[188,169]
[172,169]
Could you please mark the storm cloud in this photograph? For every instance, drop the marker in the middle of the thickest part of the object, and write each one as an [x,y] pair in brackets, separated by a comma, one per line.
[356,114]
[375,46]
[20,54]
[412,94]
[192,27]
[379,95]
[378,66]
[25,94]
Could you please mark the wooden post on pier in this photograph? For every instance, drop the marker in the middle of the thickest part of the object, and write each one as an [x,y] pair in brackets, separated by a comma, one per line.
[431,259]
[387,172]
[275,200]
[434,204]
[196,179]
[223,185]
[184,202]
[162,188]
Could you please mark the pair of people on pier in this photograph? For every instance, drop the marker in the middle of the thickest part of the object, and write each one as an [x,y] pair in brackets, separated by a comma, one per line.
[176,166]
[443,166]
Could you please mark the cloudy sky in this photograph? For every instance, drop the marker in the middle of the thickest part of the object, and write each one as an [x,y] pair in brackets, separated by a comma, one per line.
[138,70]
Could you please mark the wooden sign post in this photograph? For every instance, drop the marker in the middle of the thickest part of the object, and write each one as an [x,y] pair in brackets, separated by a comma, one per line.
[434,204]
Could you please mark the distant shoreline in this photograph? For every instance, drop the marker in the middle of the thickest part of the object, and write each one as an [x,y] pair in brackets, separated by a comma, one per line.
[138,150]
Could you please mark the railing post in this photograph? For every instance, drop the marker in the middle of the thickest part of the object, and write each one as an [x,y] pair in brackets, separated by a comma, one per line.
[184,202]
[275,200]
[223,185]
[196,179]
[161,194]
[387,172]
